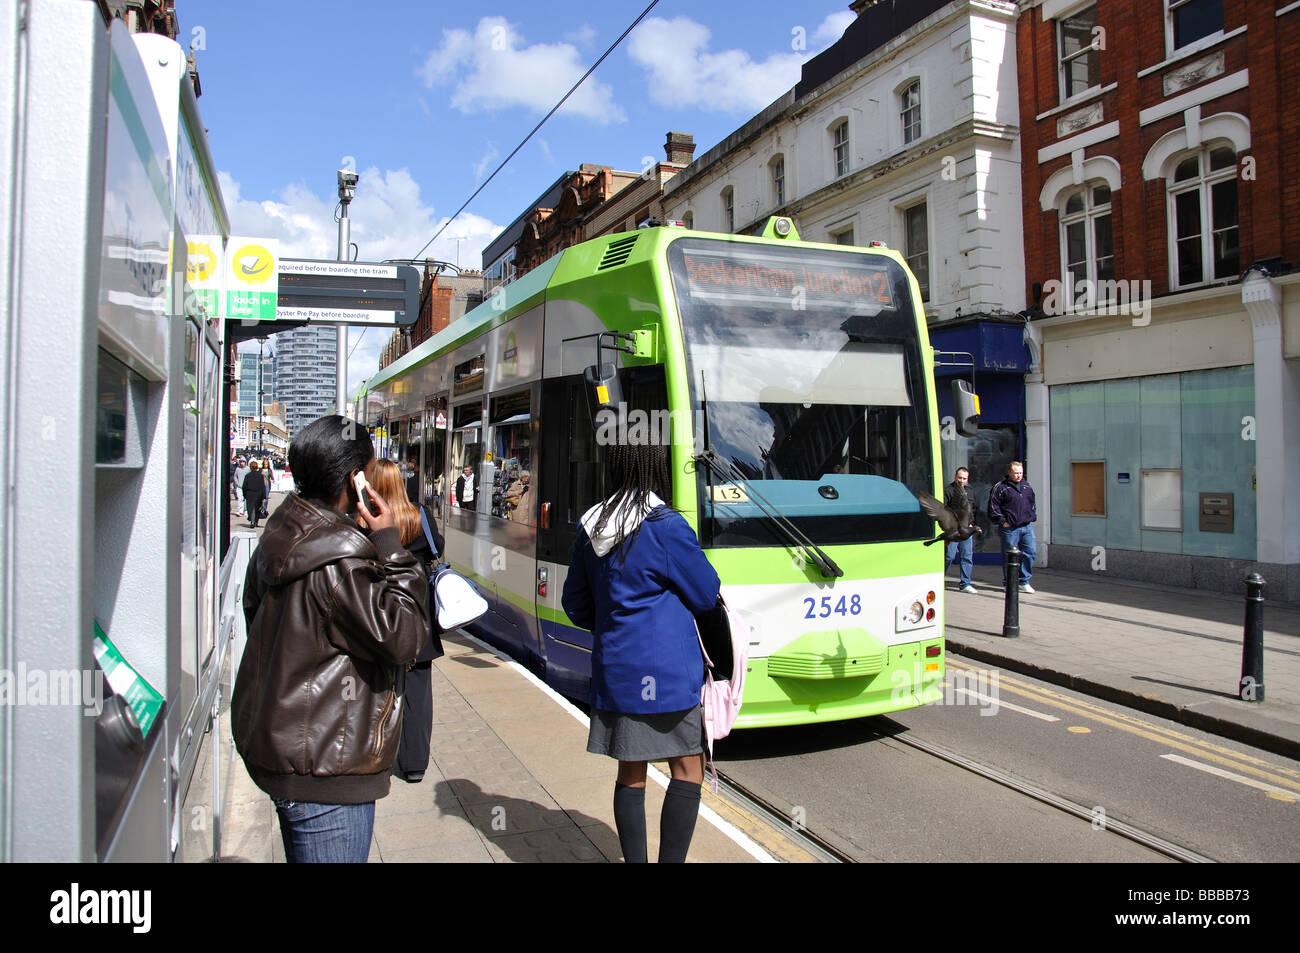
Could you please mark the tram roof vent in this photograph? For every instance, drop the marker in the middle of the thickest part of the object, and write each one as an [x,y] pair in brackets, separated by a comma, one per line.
[617,253]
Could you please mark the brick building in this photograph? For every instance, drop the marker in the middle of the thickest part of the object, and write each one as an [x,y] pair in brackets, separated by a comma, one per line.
[642,200]
[1161,226]
[444,298]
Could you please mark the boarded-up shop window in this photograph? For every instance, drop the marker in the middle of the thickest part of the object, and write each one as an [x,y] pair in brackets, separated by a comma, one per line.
[1162,499]
[1088,486]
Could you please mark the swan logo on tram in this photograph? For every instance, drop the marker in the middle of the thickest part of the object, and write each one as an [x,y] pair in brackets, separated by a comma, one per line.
[794,382]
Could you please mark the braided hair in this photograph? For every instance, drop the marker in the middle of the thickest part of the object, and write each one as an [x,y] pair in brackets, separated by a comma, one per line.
[634,471]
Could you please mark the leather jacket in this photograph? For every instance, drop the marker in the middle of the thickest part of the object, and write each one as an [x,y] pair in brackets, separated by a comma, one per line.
[332,617]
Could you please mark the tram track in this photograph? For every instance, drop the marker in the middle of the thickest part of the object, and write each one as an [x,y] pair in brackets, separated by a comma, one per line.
[815,844]
[1109,824]
[826,847]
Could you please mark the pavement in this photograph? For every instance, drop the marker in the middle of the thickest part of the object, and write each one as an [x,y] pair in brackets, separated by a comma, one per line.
[510,780]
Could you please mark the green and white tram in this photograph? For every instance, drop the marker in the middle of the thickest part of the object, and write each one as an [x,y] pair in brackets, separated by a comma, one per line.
[795,382]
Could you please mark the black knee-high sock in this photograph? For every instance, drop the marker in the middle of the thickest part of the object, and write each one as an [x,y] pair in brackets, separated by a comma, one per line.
[629,818]
[677,821]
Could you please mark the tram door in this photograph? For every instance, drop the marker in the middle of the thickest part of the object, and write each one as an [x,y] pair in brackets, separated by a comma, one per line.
[433,466]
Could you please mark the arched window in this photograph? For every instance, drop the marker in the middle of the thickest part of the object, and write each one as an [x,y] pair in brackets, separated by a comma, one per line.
[777,165]
[1087,242]
[1203,216]
[729,209]
[840,147]
[909,109]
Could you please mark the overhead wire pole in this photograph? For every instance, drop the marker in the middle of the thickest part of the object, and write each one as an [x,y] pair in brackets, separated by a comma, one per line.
[542,122]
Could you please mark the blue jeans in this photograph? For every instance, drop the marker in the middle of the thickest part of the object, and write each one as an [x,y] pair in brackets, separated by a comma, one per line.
[326,833]
[1023,539]
[963,554]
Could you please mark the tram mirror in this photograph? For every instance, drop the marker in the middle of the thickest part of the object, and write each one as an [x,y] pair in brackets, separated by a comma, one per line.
[604,392]
[966,407]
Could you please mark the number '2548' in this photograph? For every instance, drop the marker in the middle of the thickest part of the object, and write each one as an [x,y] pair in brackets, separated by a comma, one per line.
[829,606]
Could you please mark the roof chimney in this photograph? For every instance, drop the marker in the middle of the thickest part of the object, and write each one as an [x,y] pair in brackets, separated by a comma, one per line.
[680,147]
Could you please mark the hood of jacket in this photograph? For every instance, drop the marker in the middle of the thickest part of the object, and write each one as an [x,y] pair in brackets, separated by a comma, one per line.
[301,536]
[621,523]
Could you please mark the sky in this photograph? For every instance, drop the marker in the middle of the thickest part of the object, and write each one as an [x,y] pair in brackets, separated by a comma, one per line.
[425,99]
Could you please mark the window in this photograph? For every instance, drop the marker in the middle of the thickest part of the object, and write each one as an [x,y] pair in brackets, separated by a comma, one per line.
[1203,217]
[1192,20]
[1088,488]
[729,209]
[910,110]
[916,245]
[840,147]
[844,238]
[1087,243]
[778,179]
[1162,499]
[689,219]
[1080,61]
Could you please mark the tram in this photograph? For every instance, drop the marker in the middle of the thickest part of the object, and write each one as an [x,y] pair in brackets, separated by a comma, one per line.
[794,383]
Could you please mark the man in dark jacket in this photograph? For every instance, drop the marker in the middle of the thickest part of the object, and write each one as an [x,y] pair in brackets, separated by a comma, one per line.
[959,498]
[332,616]
[1011,510]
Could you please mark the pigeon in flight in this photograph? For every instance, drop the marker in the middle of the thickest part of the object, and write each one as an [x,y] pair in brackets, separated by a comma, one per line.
[957,525]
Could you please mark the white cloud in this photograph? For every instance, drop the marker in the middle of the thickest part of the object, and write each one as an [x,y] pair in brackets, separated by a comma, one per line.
[833,27]
[546,149]
[682,71]
[481,166]
[388,221]
[492,69]
[582,36]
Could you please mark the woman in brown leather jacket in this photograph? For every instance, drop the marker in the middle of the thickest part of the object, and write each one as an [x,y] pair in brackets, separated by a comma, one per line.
[332,618]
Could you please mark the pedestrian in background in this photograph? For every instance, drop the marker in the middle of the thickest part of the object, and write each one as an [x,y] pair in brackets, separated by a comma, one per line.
[959,498]
[1011,509]
[333,617]
[241,471]
[636,579]
[255,491]
[385,478]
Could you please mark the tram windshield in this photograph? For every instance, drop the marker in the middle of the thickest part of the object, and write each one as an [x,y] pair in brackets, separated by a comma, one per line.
[806,377]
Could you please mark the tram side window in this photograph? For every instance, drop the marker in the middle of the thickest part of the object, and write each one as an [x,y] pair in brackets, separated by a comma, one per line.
[467,441]
[513,493]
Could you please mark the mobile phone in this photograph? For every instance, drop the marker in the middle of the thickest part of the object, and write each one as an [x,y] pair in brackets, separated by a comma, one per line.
[359,482]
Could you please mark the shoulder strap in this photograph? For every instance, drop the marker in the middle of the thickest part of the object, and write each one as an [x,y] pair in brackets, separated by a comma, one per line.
[424,525]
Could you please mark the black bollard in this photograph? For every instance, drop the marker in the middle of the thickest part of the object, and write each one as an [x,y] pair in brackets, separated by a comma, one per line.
[1011,579]
[1251,687]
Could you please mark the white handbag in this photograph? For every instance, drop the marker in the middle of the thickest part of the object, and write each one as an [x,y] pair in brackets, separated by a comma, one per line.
[456,601]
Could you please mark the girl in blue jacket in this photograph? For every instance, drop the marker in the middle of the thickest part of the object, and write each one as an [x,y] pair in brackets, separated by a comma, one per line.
[636,579]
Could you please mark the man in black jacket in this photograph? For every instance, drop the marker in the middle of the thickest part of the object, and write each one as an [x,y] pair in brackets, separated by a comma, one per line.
[959,498]
[1012,511]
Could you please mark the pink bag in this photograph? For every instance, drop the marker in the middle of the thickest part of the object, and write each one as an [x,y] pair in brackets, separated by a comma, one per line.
[723,635]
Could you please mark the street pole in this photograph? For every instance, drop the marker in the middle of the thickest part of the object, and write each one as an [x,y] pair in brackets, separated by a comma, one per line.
[261,440]
[347,187]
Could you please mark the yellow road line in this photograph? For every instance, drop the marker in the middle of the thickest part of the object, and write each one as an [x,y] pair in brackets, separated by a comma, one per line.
[1166,736]
[1278,793]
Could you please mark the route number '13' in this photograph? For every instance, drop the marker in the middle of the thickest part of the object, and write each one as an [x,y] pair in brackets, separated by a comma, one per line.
[844,606]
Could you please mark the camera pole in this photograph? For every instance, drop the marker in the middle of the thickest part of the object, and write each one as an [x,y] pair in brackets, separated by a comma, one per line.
[347,187]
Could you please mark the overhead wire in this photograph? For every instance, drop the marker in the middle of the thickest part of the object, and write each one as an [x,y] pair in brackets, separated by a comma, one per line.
[524,141]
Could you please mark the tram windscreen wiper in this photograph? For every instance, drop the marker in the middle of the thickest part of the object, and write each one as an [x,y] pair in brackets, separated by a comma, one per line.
[729,472]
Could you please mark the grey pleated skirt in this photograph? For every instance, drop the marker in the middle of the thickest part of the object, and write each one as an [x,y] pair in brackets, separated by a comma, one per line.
[654,737]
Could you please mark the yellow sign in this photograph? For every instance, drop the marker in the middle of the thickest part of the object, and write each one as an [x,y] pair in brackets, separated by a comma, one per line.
[252,264]
[201,263]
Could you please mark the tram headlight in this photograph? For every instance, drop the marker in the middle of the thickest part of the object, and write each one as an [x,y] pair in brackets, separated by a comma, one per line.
[916,613]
